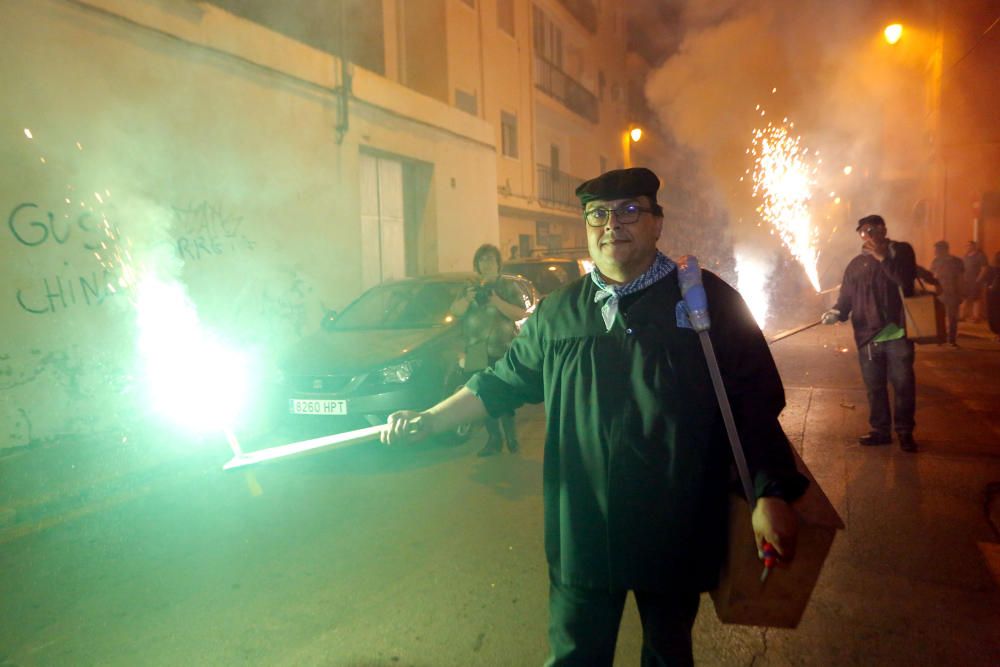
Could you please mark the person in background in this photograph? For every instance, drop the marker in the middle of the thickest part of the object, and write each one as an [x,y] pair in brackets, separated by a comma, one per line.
[488,309]
[993,297]
[637,464]
[870,294]
[948,271]
[976,267]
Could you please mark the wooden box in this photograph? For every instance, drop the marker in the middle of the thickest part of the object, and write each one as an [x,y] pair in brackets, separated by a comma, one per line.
[779,602]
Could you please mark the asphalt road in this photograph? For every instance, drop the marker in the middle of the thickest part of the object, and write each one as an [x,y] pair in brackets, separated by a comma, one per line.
[432,556]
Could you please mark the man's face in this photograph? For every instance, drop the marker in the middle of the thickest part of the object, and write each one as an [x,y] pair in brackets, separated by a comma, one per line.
[940,251]
[873,232]
[618,246]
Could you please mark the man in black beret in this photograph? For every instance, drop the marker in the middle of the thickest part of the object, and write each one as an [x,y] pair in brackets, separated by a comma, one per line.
[871,295]
[636,460]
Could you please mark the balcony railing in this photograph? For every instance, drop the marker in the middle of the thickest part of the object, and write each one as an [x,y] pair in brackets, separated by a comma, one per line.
[584,11]
[552,80]
[557,187]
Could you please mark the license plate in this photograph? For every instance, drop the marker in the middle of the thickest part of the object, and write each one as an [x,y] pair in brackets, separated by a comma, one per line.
[305,406]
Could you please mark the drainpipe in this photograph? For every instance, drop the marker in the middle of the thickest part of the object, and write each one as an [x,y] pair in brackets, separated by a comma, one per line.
[343,91]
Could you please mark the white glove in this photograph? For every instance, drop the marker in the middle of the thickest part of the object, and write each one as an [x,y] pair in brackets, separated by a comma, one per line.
[831,316]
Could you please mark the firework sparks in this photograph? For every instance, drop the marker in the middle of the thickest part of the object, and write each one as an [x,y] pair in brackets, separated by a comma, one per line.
[752,286]
[783,179]
[193,377]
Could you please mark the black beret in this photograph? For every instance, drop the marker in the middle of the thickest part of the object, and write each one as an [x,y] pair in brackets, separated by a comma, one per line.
[619,184]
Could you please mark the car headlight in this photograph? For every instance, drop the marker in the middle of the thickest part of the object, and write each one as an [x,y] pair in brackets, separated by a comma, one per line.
[398,373]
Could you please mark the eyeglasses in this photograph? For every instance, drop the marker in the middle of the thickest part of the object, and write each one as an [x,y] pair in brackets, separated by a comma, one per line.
[626,214]
[867,230]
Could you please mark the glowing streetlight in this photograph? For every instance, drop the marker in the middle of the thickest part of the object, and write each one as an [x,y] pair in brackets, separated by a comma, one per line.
[893,32]
[629,137]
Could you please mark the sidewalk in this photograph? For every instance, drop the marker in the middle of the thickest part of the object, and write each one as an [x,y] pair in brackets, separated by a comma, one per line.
[909,581]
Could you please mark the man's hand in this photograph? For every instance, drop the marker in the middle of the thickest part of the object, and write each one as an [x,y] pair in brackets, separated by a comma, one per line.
[774,520]
[406,427]
[831,316]
[877,248]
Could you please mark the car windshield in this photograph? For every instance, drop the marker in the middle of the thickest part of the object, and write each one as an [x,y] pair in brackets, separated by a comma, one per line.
[404,305]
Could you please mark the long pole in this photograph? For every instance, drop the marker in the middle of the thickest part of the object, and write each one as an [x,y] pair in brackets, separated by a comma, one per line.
[791,332]
[727,418]
[313,446]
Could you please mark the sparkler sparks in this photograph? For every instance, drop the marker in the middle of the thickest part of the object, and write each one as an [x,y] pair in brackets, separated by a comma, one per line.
[193,378]
[783,179]
[752,286]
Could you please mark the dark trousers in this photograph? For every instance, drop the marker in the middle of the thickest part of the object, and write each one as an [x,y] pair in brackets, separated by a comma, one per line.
[951,307]
[583,626]
[892,362]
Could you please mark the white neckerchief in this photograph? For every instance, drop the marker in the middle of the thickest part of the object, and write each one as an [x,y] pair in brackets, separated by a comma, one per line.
[612,294]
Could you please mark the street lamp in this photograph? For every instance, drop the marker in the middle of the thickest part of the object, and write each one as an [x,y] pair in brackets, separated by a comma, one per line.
[631,136]
[893,32]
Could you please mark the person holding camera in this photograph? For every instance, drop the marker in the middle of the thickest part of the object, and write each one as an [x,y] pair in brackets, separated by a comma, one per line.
[489,308]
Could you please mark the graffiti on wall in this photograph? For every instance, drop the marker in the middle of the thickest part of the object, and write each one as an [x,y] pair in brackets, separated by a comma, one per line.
[200,231]
[207,230]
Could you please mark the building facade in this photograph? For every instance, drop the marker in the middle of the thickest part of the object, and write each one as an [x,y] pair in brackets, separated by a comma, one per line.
[227,148]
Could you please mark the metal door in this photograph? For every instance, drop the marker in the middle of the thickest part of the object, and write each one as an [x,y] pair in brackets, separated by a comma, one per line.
[383,239]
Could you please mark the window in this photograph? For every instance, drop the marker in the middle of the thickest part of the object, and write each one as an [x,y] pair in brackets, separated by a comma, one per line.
[508,134]
[505,16]
[466,102]
[547,38]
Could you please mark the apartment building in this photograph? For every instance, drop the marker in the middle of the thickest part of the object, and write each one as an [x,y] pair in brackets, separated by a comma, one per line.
[553,79]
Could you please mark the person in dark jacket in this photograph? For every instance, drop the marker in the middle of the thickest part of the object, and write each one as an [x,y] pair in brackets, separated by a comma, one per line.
[636,472]
[870,294]
[948,271]
[993,297]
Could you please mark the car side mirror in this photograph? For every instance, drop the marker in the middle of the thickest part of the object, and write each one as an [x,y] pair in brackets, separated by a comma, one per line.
[328,320]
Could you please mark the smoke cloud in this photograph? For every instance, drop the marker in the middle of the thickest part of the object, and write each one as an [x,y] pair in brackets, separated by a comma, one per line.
[821,65]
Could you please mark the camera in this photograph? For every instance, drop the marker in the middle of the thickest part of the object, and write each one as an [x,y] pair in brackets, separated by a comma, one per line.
[483,293]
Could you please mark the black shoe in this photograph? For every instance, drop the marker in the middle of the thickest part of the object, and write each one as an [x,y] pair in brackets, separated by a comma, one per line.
[874,438]
[906,442]
[513,446]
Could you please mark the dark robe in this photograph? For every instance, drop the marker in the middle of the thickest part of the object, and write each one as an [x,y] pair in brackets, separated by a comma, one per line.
[637,467]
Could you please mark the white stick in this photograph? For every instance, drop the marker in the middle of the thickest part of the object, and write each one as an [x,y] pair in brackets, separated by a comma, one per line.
[313,446]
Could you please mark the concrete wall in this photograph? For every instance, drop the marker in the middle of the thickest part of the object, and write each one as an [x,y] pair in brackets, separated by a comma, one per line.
[204,146]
